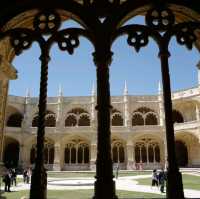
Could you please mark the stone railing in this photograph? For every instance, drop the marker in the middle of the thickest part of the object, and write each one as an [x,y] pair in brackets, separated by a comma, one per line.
[185,93]
[186,125]
[76,167]
[147,128]
[13,129]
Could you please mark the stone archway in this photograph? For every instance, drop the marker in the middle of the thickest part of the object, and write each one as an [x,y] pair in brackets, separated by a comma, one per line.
[181,153]
[11,153]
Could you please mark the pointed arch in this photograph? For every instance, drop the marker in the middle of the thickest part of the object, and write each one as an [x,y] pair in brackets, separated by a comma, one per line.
[76,152]
[137,119]
[11,152]
[84,120]
[15,120]
[48,152]
[118,152]
[77,117]
[177,116]
[71,120]
[117,119]
[50,119]
[151,119]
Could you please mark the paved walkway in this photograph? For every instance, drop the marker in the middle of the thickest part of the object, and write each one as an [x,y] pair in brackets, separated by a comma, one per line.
[127,183]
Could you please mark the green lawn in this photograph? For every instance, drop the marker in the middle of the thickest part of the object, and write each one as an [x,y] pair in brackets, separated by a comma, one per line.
[189,181]
[79,194]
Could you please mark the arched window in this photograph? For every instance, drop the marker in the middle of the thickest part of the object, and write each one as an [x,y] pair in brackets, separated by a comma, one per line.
[157,153]
[77,117]
[150,153]
[71,120]
[11,152]
[137,154]
[137,120]
[144,154]
[35,121]
[177,117]
[50,120]
[15,120]
[84,120]
[181,153]
[151,119]
[118,155]
[147,150]
[48,153]
[33,155]
[77,153]
[117,119]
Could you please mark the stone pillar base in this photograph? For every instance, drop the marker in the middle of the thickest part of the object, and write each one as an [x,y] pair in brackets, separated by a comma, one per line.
[92,166]
[2,168]
[56,167]
[130,165]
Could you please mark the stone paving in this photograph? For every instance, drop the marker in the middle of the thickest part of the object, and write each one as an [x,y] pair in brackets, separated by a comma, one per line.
[127,183]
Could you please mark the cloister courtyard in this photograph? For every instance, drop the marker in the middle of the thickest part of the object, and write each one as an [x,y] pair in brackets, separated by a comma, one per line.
[80,185]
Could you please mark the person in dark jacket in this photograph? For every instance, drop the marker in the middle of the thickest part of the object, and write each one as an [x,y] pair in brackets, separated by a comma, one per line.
[7,181]
[162,178]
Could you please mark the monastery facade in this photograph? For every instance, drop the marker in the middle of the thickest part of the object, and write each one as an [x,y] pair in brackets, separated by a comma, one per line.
[137,128]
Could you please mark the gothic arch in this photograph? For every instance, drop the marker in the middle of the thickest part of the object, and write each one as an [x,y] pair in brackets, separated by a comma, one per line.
[91,20]
[177,116]
[84,120]
[147,150]
[48,152]
[77,151]
[15,120]
[181,153]
[11,152]
[151,118]
[77,117]
[71,120]
[117,119]
[137,119]
[118,151]
[50,119]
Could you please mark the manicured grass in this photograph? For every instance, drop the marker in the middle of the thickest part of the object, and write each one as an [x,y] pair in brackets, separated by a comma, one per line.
[79,194]
[189,181]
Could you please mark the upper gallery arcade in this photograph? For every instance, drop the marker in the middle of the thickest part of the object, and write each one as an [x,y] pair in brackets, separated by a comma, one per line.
[137,131]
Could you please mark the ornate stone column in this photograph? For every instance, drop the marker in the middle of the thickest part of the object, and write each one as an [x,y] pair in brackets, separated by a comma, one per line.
[93,103]
[160,102]
[174,187]
[7,72]
[126,110]
[93,156]
[26,123]
[59,109]
[197,113]
[130,155]
[57,151]
[104,184]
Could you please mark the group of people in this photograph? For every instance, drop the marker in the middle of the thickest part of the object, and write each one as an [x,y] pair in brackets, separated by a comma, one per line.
[158,179]
[10,178]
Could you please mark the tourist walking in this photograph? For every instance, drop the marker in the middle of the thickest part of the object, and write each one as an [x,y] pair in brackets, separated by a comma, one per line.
[154,181]
[7,181]
[13,177]
[117,171]
[162,178]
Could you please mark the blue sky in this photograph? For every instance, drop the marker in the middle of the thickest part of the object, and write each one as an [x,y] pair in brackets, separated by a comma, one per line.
[76,73]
